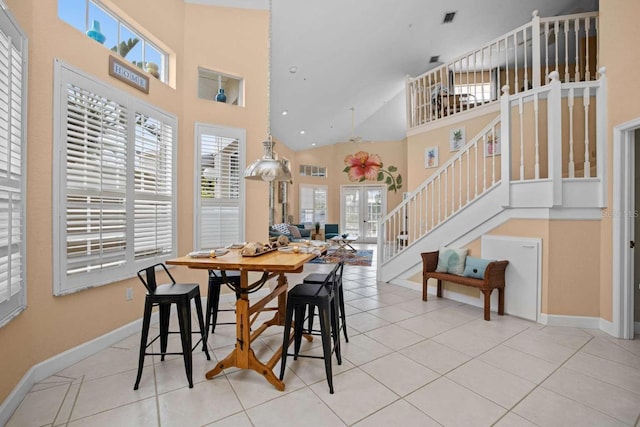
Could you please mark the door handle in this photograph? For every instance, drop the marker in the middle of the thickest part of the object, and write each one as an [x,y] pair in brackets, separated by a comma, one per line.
[632,244]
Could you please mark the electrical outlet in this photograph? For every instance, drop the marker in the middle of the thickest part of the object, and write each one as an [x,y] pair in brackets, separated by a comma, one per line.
[129,294]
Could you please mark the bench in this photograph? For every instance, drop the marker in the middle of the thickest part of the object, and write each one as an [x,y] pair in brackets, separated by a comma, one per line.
[493,279]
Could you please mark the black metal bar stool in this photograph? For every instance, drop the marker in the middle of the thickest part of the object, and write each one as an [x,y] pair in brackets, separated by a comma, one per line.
[216,280]
[163,296]
[323,297]
[318,279]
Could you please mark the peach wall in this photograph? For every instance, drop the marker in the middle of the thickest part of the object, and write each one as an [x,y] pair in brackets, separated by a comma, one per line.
[416,145]
[392,153]
[51,325]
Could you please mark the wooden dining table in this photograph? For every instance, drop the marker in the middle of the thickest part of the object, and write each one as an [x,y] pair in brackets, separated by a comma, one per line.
[271,264]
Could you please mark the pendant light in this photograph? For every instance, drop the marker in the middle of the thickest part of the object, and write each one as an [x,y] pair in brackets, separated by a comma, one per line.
[268,168]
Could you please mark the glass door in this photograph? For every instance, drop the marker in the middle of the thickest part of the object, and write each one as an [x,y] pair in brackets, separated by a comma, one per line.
[361,206]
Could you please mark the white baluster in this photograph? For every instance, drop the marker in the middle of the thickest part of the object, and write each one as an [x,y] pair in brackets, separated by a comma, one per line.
[556,28]
[433,203]
[521,117]
[484,162]
[587,164]
[439,198]
[515,61]
[475,145]
[536,133]
[468,152]
[546,49]
[566,51]
[587,72]
[526,54]
[446,192]
[535,49]
[493,155]
[506,58]
[576,26]
[572,167]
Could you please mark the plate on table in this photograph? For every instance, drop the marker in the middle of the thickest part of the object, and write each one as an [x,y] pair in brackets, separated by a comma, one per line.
[238,245]
[286,249]
[209,253]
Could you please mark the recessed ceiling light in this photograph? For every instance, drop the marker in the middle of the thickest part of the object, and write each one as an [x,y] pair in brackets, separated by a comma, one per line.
[313,144]
[301,132]
[285,112]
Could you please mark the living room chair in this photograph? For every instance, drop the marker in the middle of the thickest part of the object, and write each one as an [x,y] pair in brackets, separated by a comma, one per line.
[330,231]
[324,298]
[162,296]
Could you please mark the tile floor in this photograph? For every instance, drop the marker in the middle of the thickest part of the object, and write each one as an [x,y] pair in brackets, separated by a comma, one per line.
[408,362]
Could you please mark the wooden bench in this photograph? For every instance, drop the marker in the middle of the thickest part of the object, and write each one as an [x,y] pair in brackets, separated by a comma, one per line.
[493,279]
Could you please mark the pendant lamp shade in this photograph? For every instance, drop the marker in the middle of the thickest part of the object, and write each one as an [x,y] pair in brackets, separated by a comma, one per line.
[267,168]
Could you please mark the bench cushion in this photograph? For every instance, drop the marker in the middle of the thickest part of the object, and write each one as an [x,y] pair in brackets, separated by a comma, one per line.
[451,260]
[475,267]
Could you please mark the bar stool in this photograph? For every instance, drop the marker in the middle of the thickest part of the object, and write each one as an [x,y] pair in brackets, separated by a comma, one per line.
[322,297]
[318,279]
[163,296]
[213,296]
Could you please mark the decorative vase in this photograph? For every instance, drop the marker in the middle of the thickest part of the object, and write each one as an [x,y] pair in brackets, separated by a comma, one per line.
[221,97]
[95,33]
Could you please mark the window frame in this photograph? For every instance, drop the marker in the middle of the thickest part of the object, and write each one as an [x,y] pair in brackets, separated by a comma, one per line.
[314,187]
[163,67]
[17,303]
[62,282]
[224,132]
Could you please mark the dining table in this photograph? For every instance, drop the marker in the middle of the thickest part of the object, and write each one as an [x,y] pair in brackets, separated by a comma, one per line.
[272,264]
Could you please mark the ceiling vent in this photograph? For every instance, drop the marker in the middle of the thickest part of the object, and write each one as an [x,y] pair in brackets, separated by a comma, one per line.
[448,17]
[434,59]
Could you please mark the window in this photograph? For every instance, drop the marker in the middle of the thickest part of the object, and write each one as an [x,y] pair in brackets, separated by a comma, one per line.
[120,37]
[313,204]
[306,170]
[474,93]
[219,208]
[13,100]
[114,162]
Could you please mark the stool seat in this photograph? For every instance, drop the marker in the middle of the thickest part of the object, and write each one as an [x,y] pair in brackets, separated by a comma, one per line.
[163,296]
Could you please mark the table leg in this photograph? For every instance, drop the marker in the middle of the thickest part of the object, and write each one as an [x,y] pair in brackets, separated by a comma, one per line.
[242,356]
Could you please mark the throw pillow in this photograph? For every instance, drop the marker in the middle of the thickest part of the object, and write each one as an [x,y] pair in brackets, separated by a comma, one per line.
[451,260]
[475,267]
[282,228]
[295,232]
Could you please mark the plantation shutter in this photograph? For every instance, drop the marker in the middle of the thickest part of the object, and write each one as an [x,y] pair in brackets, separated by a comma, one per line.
[96,179]
[13,57]
[220,213]
[153,233]
[115,188]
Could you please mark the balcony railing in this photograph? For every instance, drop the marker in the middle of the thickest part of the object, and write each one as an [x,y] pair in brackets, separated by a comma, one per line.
[518,59]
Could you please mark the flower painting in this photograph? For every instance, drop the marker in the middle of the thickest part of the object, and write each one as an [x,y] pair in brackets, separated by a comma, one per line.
[492,146]
[363,166]
[431,157]
[456,139]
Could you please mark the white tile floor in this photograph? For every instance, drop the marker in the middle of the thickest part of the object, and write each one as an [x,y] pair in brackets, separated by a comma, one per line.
[408,363]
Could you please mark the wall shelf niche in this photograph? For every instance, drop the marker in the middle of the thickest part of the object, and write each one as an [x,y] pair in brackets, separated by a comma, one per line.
[210,82]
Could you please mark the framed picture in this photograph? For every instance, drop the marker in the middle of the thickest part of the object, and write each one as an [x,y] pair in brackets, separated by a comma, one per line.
[492,146]
[431,157]
[457,139]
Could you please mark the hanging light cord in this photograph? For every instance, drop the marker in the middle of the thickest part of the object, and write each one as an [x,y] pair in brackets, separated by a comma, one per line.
[269,72]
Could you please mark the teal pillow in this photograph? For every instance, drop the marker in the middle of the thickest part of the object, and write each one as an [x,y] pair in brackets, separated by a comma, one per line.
[475,267]
[443,260]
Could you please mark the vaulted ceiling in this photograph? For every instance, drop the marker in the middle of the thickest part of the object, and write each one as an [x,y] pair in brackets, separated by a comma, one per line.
[329,57]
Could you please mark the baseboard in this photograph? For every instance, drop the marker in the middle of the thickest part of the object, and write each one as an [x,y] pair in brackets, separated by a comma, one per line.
[572,321]
[415,286]
[67,358]
[63,360]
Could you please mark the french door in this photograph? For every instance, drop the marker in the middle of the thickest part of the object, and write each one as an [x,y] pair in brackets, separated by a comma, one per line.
[361,206]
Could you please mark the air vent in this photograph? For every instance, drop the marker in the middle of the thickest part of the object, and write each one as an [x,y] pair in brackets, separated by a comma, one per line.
[434,59]
[448,17]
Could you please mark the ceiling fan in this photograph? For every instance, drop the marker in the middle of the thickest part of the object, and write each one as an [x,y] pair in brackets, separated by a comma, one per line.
[354,139]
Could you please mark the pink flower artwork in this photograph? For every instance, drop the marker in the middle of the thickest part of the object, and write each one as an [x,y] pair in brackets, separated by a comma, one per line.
[363,166]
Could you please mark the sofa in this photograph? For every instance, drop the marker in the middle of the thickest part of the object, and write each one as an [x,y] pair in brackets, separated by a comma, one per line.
[278,230]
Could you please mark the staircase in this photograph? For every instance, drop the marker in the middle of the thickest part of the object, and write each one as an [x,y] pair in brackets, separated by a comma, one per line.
[541,157]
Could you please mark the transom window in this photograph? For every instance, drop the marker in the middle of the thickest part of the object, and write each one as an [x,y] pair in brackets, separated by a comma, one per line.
[13,107]
[119,36]
[308,170]
[115,194]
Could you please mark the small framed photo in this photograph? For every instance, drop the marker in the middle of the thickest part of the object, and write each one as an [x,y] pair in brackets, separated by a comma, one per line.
[431,157]
[457,139]
[492,146]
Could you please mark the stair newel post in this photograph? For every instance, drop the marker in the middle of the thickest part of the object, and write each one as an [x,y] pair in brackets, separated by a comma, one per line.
[505,145]
[586,100]
[535,49]
[601,134]
[572,166]
[554,137]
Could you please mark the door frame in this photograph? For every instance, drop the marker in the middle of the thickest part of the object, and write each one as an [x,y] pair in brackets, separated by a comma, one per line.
[383,191]
[623,215]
